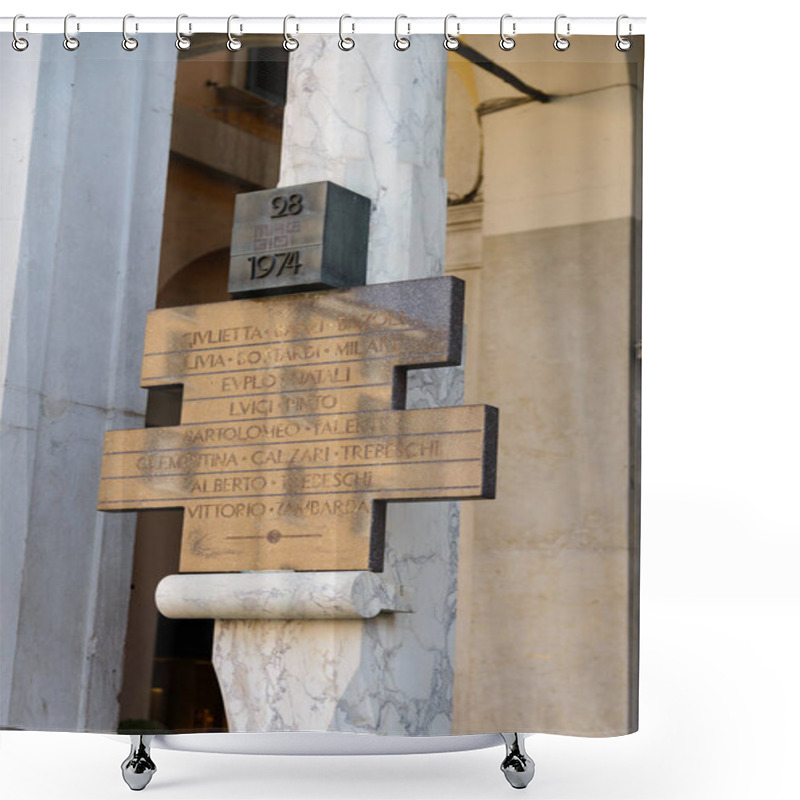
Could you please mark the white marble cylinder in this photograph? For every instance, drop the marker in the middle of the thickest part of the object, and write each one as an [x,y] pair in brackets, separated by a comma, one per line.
[371,120]
[280,594]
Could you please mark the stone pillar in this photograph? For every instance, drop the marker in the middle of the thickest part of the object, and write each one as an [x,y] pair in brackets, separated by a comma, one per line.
[18,82]
[372,120]
[91,158]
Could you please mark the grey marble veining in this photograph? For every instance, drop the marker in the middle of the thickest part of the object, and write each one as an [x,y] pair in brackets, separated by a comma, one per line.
[405,679]
[372,120]
[284,675]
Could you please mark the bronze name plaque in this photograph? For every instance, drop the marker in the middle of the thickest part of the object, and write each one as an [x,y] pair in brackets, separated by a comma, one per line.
[298,237]
[293,433]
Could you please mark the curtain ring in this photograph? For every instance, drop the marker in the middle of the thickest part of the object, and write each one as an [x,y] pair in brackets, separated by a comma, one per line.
[506,41]
[289,42]
[560,42]
[623,44]
[128,42]
[70,42]
[182,42]
[233,44]
[18,43]
[401,42]
[451,42]
[346,42]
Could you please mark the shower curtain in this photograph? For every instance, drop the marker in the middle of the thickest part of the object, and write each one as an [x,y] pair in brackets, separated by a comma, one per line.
[514,172]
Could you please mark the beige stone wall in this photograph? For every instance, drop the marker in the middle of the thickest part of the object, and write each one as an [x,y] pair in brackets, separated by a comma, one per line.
[546,634]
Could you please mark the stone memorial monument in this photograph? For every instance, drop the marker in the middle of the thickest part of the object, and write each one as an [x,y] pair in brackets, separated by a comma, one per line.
[293,438]
[293,433]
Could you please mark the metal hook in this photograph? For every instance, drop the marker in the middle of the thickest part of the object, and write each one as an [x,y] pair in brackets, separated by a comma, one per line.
[70,42]
[451,42]
[401,42]
[623,44]
[233,44]
[181,41]
[560,43]
[128,42]
[506,42]
[289,42]
[18,43]
[346,42]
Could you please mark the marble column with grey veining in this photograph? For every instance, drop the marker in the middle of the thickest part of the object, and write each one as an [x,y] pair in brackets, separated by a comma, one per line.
[372,120]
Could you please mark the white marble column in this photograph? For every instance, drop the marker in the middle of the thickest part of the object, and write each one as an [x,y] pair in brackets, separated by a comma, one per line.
[85,154]
[371,120]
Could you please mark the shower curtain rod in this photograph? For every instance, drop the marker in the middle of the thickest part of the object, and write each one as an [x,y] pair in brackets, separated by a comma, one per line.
[457,26]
